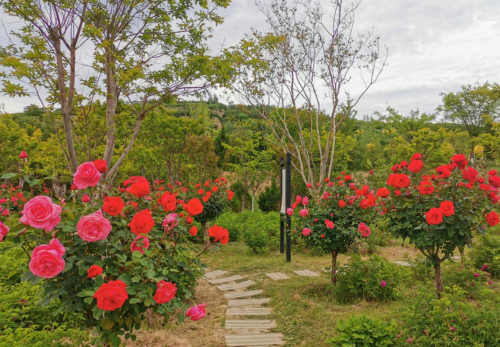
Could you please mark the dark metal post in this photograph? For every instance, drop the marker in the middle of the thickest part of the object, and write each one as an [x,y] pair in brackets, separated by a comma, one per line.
[288,199]
[282,215]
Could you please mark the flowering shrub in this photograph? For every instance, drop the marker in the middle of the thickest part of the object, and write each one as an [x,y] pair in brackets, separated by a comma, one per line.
[111,260]
[335,221]
[375,279]
[366,332]
[438,210]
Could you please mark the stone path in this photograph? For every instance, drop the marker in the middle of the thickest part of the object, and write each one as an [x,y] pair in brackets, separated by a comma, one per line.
[242,329]
[306,273]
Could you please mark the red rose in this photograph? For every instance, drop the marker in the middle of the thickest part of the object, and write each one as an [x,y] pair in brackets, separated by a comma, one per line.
[443,171]
[383,192]
[460,160]
[219,234]
[470,174]
[416,156]
[447,208]
[193,230]
[398,180]
[492,218]
[434,216]
[94,271]
[342,203]
[194,207]
[111,295]
[426,188]
[230,195]
[168,201]
[416,165]
[140,244]
[165,291]
[113,205]
[101,165]
[139,186]
[494,180]
[142,222]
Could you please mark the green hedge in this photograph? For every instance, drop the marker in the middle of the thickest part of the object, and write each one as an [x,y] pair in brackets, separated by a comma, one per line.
[258,229]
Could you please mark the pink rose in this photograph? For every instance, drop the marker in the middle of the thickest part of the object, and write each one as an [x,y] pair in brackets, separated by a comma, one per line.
[306,231]
[196,312]
[305,200]
[140,244]
[289,211]
[383,284]
[364,229]
[304,212]
[46,260]
[329,224]
[86,175]
[4,230]
[85,198]
[23,155]
[93,227]
[170,222]
[5,212]
[41,213]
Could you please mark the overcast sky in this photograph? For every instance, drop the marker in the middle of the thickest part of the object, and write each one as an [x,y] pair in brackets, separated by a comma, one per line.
[434,46]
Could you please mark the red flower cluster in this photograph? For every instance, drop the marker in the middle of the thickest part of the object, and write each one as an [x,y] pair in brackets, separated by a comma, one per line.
[138,186]
[219,234]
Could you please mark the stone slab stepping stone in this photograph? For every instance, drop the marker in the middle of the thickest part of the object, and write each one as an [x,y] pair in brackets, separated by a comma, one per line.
[250,324]
[306,273]
[226,279]
[236,295]
[248,311]
[402,263]
[234,286]
[248,302]
[276,276]
[214,274]
[254,340]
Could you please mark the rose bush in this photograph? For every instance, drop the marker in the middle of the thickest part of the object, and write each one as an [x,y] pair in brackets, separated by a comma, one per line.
[438,209]
[338,219]
[113,259]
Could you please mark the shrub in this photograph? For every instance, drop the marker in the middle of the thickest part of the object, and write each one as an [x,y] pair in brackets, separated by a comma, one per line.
[257,241]
[366,332]
[438,209]
[374,279]
[258,229]
[269,200]
[473,282]
[487,252]
[112,260]
[450,320]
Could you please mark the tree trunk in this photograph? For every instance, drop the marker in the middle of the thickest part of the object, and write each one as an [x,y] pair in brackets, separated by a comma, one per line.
[253,203]
[334,268]
[437,276]
[206,237]
[462,255]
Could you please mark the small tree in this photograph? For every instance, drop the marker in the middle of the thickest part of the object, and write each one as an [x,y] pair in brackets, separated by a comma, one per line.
[297,77]
[338,219]
[439,211]
[141,52]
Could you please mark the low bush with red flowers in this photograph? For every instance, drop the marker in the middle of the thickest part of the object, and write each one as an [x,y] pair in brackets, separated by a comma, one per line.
[439,209]
[111,260]
[339,218]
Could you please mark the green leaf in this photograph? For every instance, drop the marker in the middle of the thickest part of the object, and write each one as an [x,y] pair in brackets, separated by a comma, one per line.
[8,175]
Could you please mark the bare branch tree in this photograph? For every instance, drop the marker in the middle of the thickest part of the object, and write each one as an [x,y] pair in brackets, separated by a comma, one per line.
[298,74]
